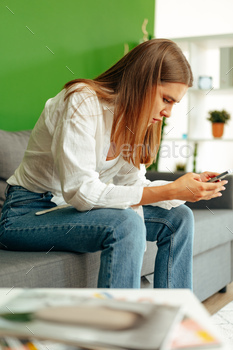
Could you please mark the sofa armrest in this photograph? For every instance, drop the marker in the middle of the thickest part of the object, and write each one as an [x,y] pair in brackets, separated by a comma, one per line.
[223,202]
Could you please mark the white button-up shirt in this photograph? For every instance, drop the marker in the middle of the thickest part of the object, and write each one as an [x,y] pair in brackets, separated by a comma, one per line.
[67,152]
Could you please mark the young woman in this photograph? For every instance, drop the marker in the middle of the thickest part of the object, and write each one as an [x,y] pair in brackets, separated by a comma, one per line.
[89,149]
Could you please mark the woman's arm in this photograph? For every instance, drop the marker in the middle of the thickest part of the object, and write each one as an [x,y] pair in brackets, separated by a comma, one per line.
[191,187]
[129,175]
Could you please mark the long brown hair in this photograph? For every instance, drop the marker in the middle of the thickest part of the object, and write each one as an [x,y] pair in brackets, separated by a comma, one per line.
[130,86]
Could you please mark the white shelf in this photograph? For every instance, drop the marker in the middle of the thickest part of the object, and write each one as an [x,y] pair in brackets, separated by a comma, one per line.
[213,90]
[190,115]
[198,140]
[208,42]
[211,140]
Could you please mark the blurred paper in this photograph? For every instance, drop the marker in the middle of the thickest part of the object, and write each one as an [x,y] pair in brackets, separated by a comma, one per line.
[147,327]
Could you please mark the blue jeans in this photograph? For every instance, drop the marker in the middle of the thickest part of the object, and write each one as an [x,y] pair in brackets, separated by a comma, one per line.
[120,234]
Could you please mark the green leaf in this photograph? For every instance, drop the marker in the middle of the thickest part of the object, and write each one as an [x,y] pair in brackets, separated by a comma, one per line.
[18,317]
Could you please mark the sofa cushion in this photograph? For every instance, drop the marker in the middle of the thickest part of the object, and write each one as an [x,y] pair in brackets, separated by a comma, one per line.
[212,228]
[42,270]
[12,148]
[56,269]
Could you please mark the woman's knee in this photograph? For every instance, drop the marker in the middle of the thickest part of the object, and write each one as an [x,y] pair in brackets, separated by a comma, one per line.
[181,223]
[130,229]
[184,225]
[185,216]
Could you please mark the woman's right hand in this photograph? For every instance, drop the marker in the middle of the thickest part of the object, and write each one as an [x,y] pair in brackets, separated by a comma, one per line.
[191,188]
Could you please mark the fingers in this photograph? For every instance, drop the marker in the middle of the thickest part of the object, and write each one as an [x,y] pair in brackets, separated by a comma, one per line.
[206,191]
[190,188]
[207,175]
[219,186]
[210,173]
[213,192]
[215,195]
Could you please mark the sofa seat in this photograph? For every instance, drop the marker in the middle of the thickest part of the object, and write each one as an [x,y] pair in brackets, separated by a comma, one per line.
[212,228]
[58,269]
[55,269]
[212,251]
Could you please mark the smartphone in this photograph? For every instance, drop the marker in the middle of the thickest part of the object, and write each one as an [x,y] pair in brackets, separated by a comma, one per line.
[221,176]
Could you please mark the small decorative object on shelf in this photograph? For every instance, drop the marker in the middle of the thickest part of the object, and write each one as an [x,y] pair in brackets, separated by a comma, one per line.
[218,119]
[180,167]
[205,82]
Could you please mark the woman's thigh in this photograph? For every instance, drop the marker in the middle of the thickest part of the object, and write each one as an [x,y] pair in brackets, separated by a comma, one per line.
[62,230]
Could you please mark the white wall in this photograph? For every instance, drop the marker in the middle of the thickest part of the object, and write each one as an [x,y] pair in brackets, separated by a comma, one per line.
[184,18]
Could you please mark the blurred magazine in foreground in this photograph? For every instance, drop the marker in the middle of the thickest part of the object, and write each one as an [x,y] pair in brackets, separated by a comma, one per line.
[88,322]
[38,320]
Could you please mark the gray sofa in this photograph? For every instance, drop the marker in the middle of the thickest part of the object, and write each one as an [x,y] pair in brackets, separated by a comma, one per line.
[213,258]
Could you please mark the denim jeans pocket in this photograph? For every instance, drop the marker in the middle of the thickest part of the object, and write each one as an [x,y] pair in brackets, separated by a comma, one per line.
[20,201]
[24,197]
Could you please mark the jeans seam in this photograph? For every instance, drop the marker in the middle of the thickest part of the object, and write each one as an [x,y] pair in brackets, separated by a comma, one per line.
[110,267]
[170,261]
[58,226]
[162,221]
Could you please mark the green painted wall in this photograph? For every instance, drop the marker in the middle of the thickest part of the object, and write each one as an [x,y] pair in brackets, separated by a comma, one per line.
[46,43]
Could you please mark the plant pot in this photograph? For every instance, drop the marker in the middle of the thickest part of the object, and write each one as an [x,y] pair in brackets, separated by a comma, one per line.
[217,129]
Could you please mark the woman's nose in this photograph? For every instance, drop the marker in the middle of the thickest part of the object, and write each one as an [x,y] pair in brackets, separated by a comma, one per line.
[166,113]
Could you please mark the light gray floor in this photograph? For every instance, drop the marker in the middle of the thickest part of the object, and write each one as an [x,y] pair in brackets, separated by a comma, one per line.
[223,319]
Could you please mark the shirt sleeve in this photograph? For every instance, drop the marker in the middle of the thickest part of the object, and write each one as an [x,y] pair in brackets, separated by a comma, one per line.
[74,153]
[129,175]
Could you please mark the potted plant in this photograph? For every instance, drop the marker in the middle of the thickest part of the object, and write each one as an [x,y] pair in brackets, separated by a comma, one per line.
[218,119]
[181,167]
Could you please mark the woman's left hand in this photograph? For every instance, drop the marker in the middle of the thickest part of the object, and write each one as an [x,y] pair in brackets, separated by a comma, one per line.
[207,175]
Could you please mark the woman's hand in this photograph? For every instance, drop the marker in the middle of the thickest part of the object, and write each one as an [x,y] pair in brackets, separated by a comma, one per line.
[207,175]
[193,187]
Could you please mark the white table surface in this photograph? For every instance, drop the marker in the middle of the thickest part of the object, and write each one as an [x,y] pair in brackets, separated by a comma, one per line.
[181,297]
